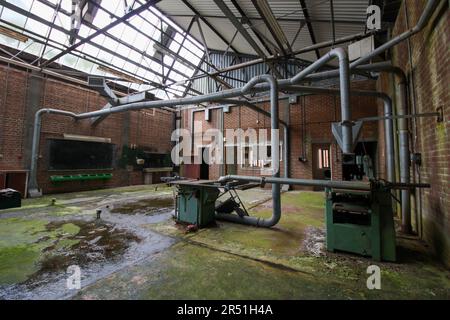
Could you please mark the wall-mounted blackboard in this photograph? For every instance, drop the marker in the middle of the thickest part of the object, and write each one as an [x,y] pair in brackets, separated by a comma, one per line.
[79,155]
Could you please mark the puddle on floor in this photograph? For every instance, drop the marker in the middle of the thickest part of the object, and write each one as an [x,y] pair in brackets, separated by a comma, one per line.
[98,247]
[94,242]
[145,206]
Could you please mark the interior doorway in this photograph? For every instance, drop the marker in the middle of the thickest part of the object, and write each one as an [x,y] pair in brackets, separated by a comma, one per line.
[321,162]
[204,167]
[231,168]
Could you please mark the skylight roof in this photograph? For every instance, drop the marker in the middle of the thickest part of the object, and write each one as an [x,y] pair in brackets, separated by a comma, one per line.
[147,52]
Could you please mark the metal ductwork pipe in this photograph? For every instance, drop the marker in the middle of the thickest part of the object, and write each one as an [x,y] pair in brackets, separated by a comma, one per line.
[388,112]
[344,75]
[403,133]
[33,189]
[275,145]
[423,21]
[344,185]
[286,135]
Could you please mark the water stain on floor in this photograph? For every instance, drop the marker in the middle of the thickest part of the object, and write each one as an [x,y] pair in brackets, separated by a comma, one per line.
[146,207]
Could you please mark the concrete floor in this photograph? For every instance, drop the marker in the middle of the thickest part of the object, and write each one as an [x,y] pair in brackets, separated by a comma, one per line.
[136,251]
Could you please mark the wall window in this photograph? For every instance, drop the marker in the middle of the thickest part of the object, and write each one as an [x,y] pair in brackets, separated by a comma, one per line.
[324,158]
[251,159]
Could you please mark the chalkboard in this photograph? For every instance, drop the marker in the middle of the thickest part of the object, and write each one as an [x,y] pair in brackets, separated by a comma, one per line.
[79,155]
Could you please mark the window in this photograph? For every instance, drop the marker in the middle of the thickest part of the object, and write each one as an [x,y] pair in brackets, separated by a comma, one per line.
[129,40]
[251,158]
[324,158]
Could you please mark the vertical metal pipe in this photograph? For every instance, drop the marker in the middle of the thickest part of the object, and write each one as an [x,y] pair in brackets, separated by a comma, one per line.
[389,131]
[275,146]
[403,135]
[404,155]
[286,151]
[344,75]
[347,124]
[33,189]
[389,136]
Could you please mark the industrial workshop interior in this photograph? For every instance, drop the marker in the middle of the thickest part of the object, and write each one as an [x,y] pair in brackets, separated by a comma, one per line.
[224,150]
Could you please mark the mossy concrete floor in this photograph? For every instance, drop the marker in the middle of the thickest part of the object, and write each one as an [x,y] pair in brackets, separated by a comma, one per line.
[136,251]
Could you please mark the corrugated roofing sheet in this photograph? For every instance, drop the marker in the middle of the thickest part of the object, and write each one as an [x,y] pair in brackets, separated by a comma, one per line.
[349,15]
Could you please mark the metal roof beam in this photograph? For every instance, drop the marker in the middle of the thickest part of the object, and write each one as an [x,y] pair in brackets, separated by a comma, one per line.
[309,25]
[88,57]
[238,25]
[271,23]
[142,8]
[49,24]
[209,25]
[250,24]
[337,21]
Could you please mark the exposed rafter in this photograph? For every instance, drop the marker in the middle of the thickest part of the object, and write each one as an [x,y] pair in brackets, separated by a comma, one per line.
[246,20]
[142,8]
[238,25]
[309,25]
[337,21]
[210,26]
[272,25]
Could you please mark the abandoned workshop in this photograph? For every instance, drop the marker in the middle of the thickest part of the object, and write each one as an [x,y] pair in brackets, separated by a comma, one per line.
[224,150]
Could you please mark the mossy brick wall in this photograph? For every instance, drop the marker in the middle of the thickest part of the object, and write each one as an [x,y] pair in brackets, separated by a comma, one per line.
[147,129]
[429,71]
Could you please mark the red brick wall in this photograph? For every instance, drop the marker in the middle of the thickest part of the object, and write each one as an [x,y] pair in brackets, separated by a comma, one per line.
[12,103]
[430,73]
[148,129]
[321,111]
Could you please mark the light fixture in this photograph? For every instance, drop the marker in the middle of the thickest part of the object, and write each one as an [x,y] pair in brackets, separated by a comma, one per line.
[272,21]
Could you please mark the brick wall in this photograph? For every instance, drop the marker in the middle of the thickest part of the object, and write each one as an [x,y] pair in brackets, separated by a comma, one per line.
[147,129]
[429,77]
[321,111]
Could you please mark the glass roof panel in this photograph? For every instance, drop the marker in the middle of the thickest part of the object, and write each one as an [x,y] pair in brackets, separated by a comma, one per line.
[133,48]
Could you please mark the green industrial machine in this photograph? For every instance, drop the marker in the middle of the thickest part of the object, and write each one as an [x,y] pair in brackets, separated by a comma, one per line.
[361,222]
[195,202]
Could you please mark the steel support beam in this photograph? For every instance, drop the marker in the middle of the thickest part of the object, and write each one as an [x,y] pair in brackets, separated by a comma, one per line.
[186,2]
[238,25]
[142,8]
[247,20]
[309,25]
[272,25]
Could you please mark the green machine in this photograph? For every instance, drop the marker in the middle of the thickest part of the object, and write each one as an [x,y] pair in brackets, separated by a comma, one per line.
[361,222]
[195,202]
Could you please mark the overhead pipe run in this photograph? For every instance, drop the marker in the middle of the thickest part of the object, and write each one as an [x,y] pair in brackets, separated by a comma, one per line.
[388,112]
[33,189]
[423,21]
[403,134]
[257,84]
[304,75]
[344,74]
[344,185]
[286,135]
[275,146]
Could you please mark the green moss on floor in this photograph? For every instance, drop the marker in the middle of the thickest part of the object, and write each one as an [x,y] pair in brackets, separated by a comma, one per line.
[22,246]
[286,246]
[189,271]
[229,261]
